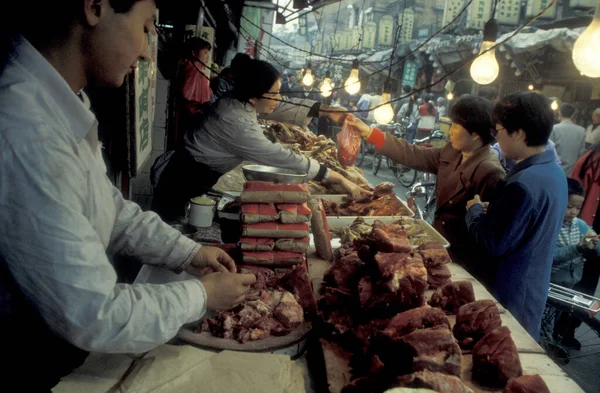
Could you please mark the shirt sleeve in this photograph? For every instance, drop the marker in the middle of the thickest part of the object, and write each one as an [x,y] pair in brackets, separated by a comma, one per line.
[252,145]
[503,226]
[399,150]
[292,110]
[60,263]
[145,237]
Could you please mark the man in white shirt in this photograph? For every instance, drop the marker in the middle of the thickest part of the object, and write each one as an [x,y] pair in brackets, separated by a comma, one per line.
[63,220]
[569,138]
[592,134]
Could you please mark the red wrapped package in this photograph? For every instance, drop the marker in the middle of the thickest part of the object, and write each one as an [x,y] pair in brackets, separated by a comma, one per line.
[275,230]
[292,245]
[253,213]
[293,213]
[276,258]
[256,244]
[267,192]
[348,145]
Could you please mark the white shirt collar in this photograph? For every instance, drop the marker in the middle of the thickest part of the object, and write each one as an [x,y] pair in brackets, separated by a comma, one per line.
[76,113]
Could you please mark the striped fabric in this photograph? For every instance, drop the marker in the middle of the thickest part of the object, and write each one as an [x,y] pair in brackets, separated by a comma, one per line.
[569,235]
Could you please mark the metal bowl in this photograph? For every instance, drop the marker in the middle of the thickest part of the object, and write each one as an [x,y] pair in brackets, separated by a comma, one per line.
[272,174]
[186,230]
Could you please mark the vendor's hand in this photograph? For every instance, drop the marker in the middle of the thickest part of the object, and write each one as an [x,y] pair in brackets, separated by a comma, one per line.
[473,202]
[354,189]
[336,114]
[210,260]
[226,290]
[365,130]
[596,308]
[485,206]
[587,243]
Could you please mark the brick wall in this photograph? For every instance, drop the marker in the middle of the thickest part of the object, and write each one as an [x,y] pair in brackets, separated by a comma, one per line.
[141,188]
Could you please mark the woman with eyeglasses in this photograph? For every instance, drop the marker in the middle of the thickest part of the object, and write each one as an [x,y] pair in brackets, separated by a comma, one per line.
[464,167]
[229,133]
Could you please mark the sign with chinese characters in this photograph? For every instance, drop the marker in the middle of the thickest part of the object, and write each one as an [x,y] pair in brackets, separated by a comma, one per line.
[582,4]
[302,24]
[386,30]
[406,20]
[368,41]
[452,8]
[409,76]
[534,7]
[144,96]
[249,33]
[479,13]
[508,12]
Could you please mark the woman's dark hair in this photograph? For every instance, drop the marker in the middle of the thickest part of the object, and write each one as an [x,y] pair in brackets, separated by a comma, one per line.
[474,115]
[592,161]
[428,98]
[530,112]
[256,80]
[195,44]
[575,187]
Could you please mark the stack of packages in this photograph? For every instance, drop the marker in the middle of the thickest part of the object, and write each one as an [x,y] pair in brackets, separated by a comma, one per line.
[275,223]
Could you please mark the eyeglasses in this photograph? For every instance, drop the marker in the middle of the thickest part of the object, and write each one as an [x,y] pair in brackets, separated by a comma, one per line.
[495,131]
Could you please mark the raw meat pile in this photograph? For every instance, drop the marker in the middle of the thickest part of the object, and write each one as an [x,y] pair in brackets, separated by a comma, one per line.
[383,202]
[320,148]
[380,334]
[276,304]
[275,224]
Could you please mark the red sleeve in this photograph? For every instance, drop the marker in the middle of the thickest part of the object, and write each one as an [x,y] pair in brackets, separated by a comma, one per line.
[377,138]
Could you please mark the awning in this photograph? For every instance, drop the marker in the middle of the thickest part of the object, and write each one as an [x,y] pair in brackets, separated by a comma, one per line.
[532,39]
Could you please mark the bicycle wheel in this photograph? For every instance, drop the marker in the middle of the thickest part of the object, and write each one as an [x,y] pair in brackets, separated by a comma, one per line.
[405,175]
[429,211]
[376,164]
[362,152]
[392,166]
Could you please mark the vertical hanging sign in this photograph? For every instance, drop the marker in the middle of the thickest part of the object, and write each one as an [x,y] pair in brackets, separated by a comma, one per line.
[508,12]
[250,34]
[451,9]
[407,22]
[369,36]
[479,13]
[409,76]
[386,30]
[534,7]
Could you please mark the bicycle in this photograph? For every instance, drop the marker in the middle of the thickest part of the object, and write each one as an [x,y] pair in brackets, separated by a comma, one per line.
[405,175]
[428,190]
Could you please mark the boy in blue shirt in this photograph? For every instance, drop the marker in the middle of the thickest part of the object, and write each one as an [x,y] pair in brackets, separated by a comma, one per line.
[576,244]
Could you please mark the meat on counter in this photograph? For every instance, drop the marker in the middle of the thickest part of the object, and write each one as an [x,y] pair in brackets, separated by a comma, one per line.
[474,320]
[496,359]
[437,382]
[526,384]
[451,296]
[418,318]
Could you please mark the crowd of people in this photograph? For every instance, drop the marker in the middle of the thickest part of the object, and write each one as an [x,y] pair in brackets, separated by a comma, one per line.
[65,222]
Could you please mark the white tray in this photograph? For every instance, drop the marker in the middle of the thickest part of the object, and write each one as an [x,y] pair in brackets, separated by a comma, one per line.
[347,221]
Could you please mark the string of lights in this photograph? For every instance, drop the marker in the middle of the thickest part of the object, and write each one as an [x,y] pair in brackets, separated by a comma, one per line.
[430,85]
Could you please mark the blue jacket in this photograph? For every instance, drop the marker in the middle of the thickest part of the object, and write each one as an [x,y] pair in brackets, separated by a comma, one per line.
[518,233]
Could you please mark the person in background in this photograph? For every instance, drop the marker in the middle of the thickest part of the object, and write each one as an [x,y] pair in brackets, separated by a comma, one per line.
[592,134]
[440,107]
[222,83]
[569,138]
[374,101]
[587,172]
[409,110]
[406,92]
[577,246]
[363,105]
[353,106]
[230,134]
[426,117]
[64,220]
[464,167]
[192,85]
[291,89]
[516,239]
[509,163]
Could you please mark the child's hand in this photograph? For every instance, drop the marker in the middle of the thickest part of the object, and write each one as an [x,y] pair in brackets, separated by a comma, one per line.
[588,243]
[473,202]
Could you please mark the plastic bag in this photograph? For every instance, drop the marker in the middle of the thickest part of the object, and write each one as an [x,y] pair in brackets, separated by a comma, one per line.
[348,145]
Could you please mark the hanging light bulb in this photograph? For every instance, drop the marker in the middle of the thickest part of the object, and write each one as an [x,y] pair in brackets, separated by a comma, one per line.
[530,87]
[385,113]
[353,83]
[485,68]
[586,51]
[308,78]
[554,105]
[327,86]
[450,96]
